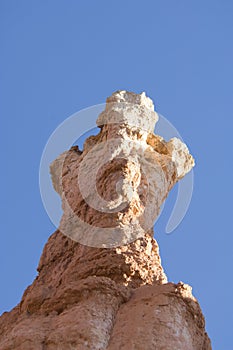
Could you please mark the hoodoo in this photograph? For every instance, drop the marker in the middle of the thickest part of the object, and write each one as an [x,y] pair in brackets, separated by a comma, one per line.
[100,283]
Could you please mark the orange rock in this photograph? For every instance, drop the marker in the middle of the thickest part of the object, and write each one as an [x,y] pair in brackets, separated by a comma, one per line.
[110,293]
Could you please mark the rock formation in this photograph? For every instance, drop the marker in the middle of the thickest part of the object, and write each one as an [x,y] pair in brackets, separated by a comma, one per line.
[100,282]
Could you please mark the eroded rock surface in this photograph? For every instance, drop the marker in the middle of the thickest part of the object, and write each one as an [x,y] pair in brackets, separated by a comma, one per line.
[100,282]
[113,190]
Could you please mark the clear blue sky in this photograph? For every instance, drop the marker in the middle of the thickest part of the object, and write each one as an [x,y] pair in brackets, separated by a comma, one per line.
[58,57]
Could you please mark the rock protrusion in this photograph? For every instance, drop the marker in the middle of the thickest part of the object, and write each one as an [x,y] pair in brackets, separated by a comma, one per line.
[112,191]
[100,282]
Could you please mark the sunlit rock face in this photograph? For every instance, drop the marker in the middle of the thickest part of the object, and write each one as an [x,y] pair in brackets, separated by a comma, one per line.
[100,282]
[112,191]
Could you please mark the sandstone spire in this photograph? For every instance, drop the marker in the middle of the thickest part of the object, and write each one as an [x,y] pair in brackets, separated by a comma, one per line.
[100,282]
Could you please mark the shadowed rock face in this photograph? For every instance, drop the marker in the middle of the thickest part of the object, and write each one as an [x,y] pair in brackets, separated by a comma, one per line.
[100,282]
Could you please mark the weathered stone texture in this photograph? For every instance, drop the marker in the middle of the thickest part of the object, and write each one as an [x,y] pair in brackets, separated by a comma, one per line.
[100,282]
